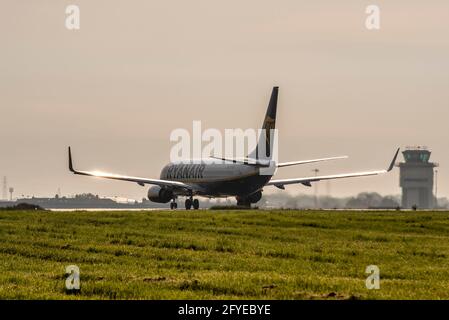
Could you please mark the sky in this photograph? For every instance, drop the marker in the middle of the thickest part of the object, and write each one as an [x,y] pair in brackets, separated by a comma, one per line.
[136,70]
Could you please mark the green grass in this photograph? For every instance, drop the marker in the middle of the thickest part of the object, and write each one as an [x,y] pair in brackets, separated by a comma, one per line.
[224,254]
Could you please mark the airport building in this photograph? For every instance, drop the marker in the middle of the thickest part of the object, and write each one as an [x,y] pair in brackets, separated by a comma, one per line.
[417,178]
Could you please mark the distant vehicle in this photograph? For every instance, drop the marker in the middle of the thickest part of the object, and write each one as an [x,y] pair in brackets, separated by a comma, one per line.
[239,178]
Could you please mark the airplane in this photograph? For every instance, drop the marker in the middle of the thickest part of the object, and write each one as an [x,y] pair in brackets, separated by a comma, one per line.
[239,178]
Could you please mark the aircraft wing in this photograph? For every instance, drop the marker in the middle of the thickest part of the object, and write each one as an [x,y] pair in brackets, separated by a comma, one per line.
[308,180]
[293,163]
[266,163]
[138,180]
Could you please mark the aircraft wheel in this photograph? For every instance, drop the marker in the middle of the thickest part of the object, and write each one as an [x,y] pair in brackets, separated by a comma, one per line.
[173,205]
[196,204]
[188,204]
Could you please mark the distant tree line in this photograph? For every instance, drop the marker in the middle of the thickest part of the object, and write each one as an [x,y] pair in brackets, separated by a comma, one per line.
[364,200]
[281,199]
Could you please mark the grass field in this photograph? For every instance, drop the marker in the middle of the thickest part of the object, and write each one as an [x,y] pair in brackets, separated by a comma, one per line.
[224,254]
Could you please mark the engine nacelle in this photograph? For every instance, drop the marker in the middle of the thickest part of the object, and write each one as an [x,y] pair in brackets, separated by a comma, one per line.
[159,195]
[252,198]
[255,197]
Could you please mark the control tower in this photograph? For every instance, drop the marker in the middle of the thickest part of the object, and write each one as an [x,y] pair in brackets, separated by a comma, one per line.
[416,178]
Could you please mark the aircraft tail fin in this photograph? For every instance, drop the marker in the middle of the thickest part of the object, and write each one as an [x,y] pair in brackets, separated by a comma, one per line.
[265,143]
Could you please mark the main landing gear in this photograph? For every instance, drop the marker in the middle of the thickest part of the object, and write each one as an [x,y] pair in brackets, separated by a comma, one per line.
[192,202]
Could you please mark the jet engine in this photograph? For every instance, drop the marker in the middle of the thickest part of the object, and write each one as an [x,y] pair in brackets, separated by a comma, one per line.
[252,198]
[159,195]
[255,197]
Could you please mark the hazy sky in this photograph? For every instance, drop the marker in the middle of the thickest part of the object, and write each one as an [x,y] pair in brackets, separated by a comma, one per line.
[138,69]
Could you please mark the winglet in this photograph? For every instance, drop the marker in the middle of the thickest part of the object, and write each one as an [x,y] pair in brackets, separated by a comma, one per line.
[393,161]
[70,161]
